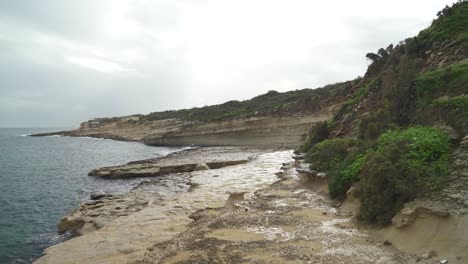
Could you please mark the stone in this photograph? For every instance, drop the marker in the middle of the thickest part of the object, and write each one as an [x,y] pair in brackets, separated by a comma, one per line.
[306,172]
[299,156]
[456,196]
[351,193]
[321,175]
[94,214]
[404,217]
[152,169]
[444,261]
[201,166]
[97,196]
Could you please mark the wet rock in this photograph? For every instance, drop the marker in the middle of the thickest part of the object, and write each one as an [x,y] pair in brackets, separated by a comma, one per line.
[234,199]
[405,217]
[306,172]
[298,156]
[93,215]
[192,185]
[152,169]
[456,196]
[321,175]
[97,196]
[428,255]
[201,166]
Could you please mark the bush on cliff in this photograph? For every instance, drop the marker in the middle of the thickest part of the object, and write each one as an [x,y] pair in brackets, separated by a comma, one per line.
[386,184]
[346,174]
[326,155]
[371,126]
[341,159]
[318,133]
[441,97]
[404,164]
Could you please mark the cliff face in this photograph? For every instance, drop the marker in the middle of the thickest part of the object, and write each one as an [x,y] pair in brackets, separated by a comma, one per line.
[272,119]
[263,131]
[250,131]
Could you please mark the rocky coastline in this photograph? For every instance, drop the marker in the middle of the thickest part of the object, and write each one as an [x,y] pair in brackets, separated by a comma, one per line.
[269,208]
[270,130]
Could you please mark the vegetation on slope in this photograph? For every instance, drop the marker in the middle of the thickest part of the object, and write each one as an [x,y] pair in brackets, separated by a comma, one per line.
[385,138]
[403,165]
[273,102]
[441,95]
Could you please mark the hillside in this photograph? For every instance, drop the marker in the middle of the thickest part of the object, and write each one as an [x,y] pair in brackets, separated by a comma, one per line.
[271,103]
[395,152]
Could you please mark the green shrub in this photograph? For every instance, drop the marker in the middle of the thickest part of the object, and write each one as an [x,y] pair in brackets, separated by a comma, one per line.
[386,184]
[326,155]
[346,174]
[341,159]
[460,102]
[318,133]
[371,126]
[450,80]
[352,171]
[404,164]
[440,97]
[450,26]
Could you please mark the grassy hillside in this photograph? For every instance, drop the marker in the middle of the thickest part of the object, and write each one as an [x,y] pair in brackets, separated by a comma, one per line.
[271,103]
[394,135]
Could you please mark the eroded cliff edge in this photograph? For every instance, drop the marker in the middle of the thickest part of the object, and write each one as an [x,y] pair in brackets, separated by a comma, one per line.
[271,119]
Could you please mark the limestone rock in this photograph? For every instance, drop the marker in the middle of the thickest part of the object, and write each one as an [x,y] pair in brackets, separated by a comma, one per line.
[322,175]
[351,193]
[153,168]
[201,166]
[405,217]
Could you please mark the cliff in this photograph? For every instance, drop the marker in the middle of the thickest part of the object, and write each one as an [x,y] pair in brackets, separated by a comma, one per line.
[395,152]
[272,119]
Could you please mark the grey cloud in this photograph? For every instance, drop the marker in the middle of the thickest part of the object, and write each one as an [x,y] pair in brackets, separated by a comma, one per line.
[40,87]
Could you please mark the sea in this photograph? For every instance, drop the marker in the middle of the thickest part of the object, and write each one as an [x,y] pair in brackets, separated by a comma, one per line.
[42,178]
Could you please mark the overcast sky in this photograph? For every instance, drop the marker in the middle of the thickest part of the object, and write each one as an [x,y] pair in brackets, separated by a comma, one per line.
[62,62]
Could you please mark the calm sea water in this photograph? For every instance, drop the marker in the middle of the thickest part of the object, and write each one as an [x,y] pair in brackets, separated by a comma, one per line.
[41,179]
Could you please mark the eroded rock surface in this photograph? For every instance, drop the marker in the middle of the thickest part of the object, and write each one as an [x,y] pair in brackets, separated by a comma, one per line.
[178,163]
[124,238]
[289,222]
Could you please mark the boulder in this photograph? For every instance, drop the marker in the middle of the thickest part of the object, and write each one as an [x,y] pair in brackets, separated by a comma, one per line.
[405,217]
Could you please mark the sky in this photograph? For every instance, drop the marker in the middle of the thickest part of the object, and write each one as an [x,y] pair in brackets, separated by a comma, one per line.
[64,62]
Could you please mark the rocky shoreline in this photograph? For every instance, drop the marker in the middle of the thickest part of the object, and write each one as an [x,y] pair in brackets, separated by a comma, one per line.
[261,206]
[118,228]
